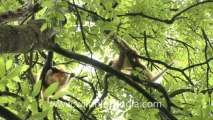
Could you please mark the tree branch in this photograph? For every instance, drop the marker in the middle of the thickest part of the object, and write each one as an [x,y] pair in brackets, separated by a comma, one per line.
[7,114]
[110,70]
[141,14]
[23,38]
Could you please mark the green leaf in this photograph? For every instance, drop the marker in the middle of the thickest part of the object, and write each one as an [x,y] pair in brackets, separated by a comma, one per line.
[211,82]
[34,107]
[4,81]
[3,99]
[43,27]
[39,115]
[108,27]
[51,89]
[47,3]
[2,87]
[17,79]
[11,85]
[9,64]
[36,88]
[2,67]
[59,15]
[25,88]
[86,1]
[45,105]
[6,99]
[27,103]
[50,115]
[17,71]
[59,94]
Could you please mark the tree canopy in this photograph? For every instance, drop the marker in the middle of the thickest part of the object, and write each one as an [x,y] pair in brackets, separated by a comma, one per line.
[82,36]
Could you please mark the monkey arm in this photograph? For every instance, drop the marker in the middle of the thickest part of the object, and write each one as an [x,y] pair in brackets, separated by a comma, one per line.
[118,62]
[134,52]
[138,63]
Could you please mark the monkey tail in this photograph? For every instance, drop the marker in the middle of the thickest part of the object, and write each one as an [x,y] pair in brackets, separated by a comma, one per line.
[158,78]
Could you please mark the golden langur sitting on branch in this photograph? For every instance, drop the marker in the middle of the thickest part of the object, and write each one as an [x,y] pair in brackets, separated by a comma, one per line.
[56,74]
[124,63]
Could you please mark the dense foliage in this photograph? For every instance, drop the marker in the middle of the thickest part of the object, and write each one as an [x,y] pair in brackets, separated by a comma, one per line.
[161,30]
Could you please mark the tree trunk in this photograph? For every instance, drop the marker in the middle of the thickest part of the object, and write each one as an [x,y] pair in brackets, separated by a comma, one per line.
[23,38]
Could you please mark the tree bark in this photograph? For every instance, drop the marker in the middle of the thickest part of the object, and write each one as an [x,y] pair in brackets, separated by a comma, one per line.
[23,38]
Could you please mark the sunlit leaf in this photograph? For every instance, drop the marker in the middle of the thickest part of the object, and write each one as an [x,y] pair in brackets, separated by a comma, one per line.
[51,89]
[36,88]
[59,94]
[59,15]
[6,99]
[2,87]
[43,27]
[17,79]
[47,3]
[39,115]
[25,88]
[50,115]
[34,107]
[45,105]
[9,64]
[17,71]
[2,67]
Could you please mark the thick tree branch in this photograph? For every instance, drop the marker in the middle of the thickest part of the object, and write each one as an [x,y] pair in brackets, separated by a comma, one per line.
[21,39]
[110,70]
[13,15]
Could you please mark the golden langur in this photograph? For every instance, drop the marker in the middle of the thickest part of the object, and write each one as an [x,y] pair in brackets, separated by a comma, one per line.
[124,63]
[56,74]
